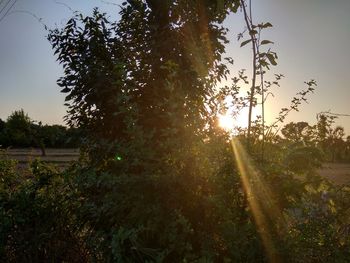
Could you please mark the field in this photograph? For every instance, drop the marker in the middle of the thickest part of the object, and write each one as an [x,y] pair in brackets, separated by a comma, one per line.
[59,157]
[338,173]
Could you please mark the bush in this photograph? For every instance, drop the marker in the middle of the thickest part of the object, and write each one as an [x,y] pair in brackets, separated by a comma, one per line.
[35,220]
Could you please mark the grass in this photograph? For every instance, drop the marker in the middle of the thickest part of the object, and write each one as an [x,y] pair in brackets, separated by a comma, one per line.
[60,157]
[338,173]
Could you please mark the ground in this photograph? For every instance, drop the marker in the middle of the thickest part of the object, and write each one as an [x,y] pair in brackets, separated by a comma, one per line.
[339,173]
[59,157]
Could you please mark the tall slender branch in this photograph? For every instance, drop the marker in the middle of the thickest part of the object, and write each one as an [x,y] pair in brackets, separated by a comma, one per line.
[249,25]
[263,99]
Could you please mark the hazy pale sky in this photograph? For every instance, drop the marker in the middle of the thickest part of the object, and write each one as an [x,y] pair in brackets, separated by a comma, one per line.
[312,40]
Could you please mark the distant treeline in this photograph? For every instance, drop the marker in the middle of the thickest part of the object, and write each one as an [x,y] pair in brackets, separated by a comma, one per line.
[332,141]
[19,130]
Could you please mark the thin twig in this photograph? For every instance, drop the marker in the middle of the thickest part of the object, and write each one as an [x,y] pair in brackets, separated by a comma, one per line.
[39,19]
[64,4]
[2,9]
[334,114]
[109,3]
[8,10]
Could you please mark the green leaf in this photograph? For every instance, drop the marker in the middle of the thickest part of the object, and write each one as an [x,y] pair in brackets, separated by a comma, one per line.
[264,42]
[245,42]
[253,32]
[266,25]
[271,58]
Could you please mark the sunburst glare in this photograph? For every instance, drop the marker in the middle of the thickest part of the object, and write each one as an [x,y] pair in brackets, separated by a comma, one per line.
[268,216]
[226,122]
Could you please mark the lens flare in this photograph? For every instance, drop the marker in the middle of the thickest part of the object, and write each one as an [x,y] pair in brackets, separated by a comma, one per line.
[226,122]
[262,203]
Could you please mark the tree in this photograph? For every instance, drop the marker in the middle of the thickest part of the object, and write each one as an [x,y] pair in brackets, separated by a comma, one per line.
[157,181]
[140,89]
[336,143]
[18,126]
[37,135]
[298,132]
[3,136]
[330,139]
[23,132]
[158,66]
[347,149]
[2,125]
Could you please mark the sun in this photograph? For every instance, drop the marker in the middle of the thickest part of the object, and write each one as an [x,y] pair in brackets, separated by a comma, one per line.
[226,122]
[232,123]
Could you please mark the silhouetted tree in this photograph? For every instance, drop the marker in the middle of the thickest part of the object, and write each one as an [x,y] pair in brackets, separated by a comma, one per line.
[154,69]
[298,132]
[22,132]
[18,127]
[336,143]
[2,125]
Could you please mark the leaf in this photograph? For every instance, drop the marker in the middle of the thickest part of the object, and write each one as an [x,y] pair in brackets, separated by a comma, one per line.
[65,90]
[229,60]
[266,25]
[253,32]
[271,58]
[264,42]
[245,42]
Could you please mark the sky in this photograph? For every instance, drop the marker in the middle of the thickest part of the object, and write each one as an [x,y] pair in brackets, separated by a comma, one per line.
[312,40]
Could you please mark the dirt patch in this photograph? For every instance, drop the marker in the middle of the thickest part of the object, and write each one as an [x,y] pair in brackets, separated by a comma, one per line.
[60,157]
[339,173]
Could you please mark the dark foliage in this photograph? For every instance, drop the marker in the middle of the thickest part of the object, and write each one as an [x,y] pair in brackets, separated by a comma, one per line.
[157,180]
[35,223]
[21,131]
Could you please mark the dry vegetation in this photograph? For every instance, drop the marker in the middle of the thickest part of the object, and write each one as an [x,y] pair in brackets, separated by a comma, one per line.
[59,157]
[339,173]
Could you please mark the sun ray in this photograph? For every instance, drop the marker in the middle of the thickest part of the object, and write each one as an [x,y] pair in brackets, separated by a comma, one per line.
[261,201]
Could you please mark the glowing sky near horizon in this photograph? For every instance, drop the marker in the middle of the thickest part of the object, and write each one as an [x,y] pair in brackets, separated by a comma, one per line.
[312,40]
